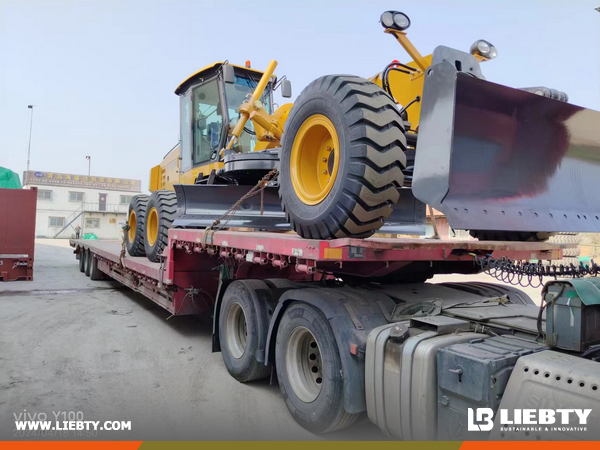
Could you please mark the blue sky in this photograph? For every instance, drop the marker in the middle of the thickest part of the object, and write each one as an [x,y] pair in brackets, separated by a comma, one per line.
[102,73]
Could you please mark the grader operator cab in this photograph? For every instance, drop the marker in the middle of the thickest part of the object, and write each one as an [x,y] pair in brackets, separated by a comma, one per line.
[354,156]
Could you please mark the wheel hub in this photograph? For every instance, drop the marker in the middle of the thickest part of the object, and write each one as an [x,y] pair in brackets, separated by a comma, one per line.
[132,222]
[314,159]
[152,226]
[304,365]
[236,333]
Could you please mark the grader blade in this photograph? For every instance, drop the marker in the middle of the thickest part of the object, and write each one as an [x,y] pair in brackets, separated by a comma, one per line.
[199,205]
[496,158]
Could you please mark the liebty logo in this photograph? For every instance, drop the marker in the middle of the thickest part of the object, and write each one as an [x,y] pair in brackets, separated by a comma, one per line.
[39,174]
[482,419]
[483,415]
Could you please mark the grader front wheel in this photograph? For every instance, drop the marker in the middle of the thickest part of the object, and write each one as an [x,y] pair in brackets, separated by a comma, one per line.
[134,238]
[342,158]
[161,210]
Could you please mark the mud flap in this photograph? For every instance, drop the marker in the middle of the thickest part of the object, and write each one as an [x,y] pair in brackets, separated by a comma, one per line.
[199,205]
[492,157]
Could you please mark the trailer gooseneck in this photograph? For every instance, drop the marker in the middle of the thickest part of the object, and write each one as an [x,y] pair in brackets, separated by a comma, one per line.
[350,326]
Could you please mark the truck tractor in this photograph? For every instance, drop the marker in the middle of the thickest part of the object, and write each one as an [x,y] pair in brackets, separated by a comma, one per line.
[354,156]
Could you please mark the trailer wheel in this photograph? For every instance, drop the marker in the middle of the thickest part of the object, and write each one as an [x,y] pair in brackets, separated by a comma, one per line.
[82,259]
[95,273]
[134,237]
[308,368]
[243,327]
[88,262]
[160,214]
[520,236]
[342,157]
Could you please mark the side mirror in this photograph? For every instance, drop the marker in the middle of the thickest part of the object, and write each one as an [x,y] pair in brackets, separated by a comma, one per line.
[286,88]
[228,74]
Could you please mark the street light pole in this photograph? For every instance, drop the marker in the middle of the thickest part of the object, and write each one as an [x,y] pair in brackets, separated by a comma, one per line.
[29,148]
[89,158]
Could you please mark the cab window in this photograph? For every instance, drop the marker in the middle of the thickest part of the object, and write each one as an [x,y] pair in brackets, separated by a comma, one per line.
[208,121]
[236,94]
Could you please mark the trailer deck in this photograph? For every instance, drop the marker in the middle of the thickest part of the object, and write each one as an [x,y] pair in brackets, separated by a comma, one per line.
[307,255]
[190,263]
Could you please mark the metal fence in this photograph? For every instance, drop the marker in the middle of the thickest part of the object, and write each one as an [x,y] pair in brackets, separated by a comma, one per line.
[105,207]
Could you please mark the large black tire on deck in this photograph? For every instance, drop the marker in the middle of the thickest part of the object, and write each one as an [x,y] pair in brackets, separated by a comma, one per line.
[244,319]
[371,158]
[136,216]
[160,214]
[309,370]
[521,236]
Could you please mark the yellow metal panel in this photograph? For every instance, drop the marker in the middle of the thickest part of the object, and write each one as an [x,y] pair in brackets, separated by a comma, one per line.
[199,172]
[333,253]
[406,87]
[155,178]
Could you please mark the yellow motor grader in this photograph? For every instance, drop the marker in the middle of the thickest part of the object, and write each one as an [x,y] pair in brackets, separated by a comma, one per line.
[353,156]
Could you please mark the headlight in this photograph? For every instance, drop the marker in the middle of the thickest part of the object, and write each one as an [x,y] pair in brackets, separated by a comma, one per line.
[484,49]
[387,19]
[395,20]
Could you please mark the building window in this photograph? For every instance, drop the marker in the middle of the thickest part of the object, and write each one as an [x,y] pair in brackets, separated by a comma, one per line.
[92,223]
[126,199]
[75,196]
[56,221]
[44,194]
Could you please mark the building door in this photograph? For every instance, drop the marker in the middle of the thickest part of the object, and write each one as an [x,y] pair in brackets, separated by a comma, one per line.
[102,203]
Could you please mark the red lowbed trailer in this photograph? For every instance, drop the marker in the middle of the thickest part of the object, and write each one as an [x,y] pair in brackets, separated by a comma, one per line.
[350,326]
[190,264]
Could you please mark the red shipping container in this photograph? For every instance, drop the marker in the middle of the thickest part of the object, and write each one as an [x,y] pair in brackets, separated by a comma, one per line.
[17,233]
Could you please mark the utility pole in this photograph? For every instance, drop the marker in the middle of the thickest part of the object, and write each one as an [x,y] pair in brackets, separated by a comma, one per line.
[29,148]
[89,158]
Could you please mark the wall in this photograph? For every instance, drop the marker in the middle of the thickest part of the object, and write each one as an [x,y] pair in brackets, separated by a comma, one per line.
[110,225]
[60,206]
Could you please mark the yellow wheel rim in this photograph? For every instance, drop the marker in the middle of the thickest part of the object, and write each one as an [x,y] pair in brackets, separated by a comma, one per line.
[152,226]
[315,159]
[132,222]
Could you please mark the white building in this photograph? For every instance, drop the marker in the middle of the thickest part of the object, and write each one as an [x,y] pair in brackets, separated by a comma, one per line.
[99,205]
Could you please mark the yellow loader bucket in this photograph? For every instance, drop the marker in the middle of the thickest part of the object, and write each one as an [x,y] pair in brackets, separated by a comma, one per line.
[492,157]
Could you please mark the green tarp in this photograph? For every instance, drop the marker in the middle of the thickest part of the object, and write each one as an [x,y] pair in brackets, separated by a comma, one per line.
[9,179]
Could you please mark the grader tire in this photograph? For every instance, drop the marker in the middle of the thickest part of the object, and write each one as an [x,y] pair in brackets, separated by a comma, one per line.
[342,158]
[134,238]
[160,214]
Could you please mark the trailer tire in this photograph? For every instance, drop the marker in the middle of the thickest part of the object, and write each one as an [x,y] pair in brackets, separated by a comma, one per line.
[134,237]
[160,214]
[82,259]
[95,273]
[314,397]
[348,191]
[88,262]
[519,236]
[243,327]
